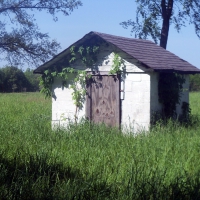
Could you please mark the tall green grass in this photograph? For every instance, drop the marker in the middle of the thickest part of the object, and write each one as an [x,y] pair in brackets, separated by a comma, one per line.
[93,162]
[195,102]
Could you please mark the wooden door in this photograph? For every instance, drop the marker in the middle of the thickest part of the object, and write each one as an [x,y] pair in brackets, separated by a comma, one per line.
[103,101]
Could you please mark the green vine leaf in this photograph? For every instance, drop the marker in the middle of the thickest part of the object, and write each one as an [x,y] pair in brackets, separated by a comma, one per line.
[46,72]
[95,49]
[118,62]
[78,85]
[72,51]
[80,50]
[88,50]
[72,59]
[54,74]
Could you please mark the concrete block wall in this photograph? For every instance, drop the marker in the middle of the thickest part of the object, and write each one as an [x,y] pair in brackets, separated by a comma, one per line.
[63,108]
[139,98]
[135,108]
[136,102]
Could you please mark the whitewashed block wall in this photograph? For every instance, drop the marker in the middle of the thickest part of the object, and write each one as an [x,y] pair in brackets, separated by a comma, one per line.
[139,100]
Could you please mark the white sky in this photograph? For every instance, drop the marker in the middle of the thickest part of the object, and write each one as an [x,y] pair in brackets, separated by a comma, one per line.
[104,16]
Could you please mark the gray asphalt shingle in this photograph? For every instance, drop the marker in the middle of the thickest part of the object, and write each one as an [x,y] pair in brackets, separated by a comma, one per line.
[150,54]
[147,52]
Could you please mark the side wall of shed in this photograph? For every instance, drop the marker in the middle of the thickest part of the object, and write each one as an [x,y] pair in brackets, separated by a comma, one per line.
[136,102]
[63,108]
[138,93]
[156,107]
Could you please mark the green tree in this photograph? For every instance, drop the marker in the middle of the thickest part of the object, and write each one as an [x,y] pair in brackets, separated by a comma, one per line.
[20,38]
[2,76]
[195,82]
[33,80]
[154,17]
[14,80]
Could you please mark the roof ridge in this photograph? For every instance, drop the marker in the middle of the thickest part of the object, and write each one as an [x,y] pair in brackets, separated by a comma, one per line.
[147,52]
[121,37]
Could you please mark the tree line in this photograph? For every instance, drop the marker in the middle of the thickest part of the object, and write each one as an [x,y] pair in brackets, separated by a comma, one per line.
[22,42]
[195,82]
[13,79]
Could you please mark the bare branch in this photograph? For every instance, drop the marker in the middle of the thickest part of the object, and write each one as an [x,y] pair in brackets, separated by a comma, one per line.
[21,40]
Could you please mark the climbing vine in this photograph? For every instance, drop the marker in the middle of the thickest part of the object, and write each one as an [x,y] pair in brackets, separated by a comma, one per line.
[88,56]
[170,88]
[170,85]
[46,81]
[118,64]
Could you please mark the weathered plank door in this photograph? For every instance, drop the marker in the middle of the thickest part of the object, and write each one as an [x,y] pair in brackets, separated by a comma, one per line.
[103,101]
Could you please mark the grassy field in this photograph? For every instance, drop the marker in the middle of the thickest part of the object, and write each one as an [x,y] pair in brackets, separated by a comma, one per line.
[195,102]
[93,162]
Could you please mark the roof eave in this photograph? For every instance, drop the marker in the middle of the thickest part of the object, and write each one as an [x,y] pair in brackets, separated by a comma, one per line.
[42,68]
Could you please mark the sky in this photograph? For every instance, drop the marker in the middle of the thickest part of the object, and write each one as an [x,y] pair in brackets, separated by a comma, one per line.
[105,16]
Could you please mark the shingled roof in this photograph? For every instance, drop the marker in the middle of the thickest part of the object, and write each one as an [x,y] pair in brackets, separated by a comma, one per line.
[145,51]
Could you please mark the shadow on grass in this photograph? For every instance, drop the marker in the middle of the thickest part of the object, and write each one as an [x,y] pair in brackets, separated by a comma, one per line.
[36,178]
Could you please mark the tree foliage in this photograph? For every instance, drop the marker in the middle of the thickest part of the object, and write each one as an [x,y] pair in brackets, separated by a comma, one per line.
[33,79]
[13,79]
[195,82]
[154,17]
[20,38]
